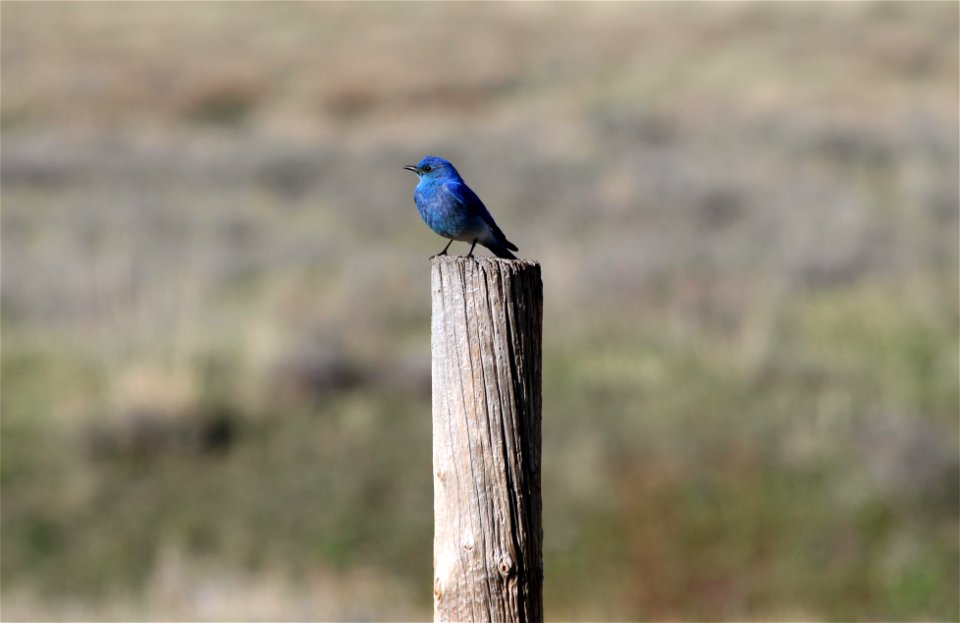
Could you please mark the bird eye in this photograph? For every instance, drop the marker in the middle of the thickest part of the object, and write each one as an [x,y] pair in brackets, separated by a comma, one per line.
[426,167]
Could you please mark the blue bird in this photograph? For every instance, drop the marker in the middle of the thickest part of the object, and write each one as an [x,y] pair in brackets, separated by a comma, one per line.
[451,209]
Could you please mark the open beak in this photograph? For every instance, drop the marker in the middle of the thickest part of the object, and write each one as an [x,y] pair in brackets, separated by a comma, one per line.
[412,167]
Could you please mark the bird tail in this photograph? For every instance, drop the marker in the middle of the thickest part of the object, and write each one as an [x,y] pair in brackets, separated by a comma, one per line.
[501,251]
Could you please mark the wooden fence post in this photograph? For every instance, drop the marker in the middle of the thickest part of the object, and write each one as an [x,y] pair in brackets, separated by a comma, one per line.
[486,339]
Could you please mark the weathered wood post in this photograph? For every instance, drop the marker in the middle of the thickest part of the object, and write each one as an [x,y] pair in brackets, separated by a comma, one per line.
[486,342]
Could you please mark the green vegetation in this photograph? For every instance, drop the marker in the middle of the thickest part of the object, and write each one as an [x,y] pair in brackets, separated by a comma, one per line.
[215,303]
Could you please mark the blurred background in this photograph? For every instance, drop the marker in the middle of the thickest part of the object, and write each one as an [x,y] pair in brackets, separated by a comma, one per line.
[215,303]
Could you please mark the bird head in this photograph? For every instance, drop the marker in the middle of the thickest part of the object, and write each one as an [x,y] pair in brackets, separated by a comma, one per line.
[433,168]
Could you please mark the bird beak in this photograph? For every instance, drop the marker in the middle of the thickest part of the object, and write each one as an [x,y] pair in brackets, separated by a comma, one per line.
[412,167]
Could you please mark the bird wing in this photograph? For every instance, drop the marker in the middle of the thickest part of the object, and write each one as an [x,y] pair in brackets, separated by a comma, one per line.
[464,195]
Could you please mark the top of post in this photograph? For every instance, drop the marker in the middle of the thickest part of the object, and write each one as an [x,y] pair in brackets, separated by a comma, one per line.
[462,261]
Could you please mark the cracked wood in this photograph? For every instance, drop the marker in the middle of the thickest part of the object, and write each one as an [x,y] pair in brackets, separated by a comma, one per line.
[486,342]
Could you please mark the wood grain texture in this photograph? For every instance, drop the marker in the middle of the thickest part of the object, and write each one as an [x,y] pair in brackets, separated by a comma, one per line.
[486,341]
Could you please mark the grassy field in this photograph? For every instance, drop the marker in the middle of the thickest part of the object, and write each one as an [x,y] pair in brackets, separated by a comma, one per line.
[215,303]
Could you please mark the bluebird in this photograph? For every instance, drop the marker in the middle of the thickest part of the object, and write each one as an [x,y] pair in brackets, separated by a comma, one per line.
[451,209]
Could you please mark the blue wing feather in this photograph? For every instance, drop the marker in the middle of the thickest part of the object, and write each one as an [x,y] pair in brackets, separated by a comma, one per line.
[465,196]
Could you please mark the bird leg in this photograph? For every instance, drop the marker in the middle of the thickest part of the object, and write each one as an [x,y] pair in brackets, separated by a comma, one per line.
[471,248]
[444,252]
